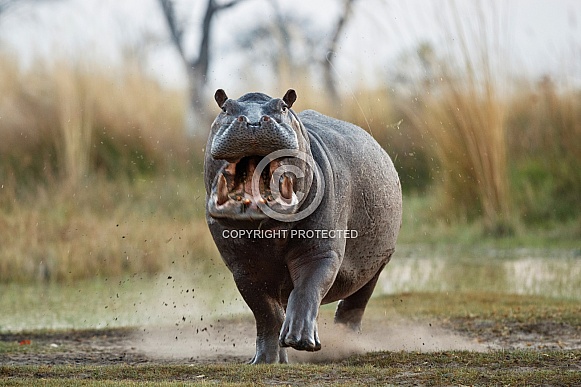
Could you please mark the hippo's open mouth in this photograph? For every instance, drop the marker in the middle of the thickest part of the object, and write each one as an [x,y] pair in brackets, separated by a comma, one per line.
[239,193]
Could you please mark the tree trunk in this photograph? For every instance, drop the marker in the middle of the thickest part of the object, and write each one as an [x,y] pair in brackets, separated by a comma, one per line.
[328,62]
[197,69]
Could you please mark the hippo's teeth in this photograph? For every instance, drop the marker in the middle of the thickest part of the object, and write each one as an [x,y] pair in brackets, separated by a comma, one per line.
[247,201]
[222,190]
[286,188]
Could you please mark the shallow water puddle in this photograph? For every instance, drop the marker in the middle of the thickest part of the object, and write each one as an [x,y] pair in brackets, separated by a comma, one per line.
[519,272]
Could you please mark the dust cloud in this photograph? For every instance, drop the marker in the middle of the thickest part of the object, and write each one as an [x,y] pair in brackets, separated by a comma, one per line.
[232,340]
[395,335]
[188,322]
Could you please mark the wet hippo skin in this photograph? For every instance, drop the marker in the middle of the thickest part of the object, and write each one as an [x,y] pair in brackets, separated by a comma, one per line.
[313,226]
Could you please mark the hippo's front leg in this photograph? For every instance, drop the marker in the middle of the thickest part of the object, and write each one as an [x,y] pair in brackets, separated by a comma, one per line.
[312,278]
[269,314]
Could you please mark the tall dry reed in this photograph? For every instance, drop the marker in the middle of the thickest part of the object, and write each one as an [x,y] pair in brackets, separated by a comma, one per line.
[462,111]
[75,102]
[87,158]
[68,120]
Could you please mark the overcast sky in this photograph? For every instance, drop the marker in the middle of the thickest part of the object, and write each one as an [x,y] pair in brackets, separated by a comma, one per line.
[538,36]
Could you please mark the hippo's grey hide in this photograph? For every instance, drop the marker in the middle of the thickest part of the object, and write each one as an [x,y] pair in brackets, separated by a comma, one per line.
[285,280]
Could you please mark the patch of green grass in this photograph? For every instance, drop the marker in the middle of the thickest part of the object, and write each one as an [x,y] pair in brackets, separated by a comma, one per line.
[26,346]
[423,223]
[456,367]
[472,305]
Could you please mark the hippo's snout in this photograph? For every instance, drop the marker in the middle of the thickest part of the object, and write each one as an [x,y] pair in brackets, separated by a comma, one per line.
[245,137]
[256,139]
[263,122]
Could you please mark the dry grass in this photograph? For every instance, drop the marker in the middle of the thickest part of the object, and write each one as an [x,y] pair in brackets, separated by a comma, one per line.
[469,137]
[68,120]
[459,105]
[103,228]
[97,176]
[89,159]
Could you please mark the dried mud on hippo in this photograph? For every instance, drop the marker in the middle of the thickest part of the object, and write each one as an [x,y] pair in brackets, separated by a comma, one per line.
[316,206]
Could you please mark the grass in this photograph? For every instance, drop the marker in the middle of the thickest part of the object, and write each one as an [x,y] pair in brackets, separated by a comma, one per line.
[102,228]
[459,105]
[517,368]
[423,224]
[498,307]
[87,119]
[102,180]
[458,310]
[108,228]
[545,123]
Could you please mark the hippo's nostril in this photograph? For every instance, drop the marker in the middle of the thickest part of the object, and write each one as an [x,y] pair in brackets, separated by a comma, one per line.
[241,118]
[265,118]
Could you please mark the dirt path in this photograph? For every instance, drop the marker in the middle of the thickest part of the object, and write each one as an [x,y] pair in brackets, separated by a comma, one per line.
[233,341]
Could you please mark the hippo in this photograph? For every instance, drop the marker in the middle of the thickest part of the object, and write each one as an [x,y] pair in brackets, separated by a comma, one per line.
[304,209]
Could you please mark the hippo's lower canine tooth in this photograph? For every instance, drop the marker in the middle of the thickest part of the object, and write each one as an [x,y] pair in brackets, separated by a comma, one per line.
[286,188]
[222,190]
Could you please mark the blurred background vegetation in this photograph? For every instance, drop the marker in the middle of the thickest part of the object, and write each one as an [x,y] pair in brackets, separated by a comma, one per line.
[101,165]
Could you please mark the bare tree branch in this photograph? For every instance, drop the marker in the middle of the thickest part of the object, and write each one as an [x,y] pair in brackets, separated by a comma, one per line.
[328,67]
[175,30]
[197,67]
[5,5]
[228,4]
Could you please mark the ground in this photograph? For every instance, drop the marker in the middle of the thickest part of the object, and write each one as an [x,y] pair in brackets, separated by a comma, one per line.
[118,346]
[533,343]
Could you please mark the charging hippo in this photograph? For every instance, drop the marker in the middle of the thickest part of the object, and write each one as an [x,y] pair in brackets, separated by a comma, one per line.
[304,209]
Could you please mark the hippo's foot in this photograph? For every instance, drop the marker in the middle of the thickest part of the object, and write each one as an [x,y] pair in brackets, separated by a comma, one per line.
[351,318]
[304,342]
[300,334]
[270,357]
[350,310]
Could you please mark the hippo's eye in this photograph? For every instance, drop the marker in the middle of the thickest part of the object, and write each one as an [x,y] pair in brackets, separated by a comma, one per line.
[224,109]
[284,109]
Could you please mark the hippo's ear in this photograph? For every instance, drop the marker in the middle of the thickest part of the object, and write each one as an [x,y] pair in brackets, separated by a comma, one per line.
[220,97]
[290,97]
